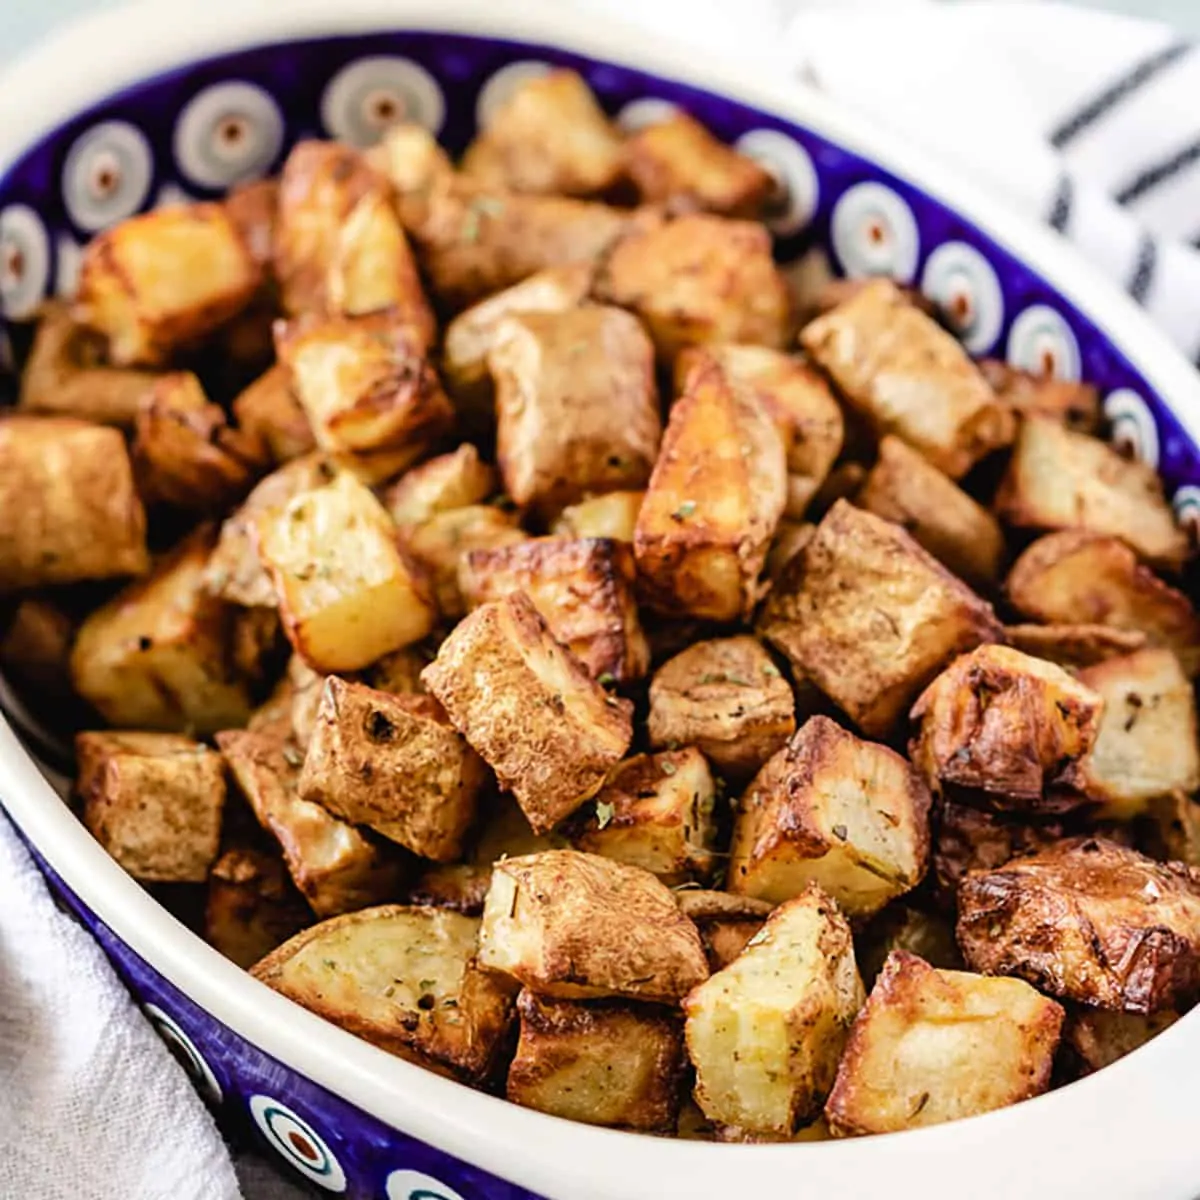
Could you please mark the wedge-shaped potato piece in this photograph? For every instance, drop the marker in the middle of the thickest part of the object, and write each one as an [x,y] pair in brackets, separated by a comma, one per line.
[728,698]
[157,655]
[612,515]
[35,648]
[1089,921]
[1073,645]
[163,279]
[676,162]
[831,809]
[603,1062]
[1095,1039]
[1080,576]
[765,1034]
[715,498]
[699,279]
[1059,479]
[550,135]
[68,507]
[252,906]
[347,592]
[394,763]
[576,405]
[447,482]
[726,922]
[578,926]
[403,979]
[584,590]
[870,617]
[904,926]
[1003,723]
[657,812]
[1074,404]
[335,866]
[909,377]
[529,708]
[269,413]
[932,1046]
[153,802]
[410,159]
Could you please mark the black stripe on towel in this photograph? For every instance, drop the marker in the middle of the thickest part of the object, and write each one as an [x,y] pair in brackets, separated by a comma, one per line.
[1143,269]
[1137,76]
[1151,177]
[1060,207]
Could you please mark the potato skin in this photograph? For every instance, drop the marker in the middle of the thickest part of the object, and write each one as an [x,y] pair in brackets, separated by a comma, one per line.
[1073,645]
[1096,1039]
[726,922]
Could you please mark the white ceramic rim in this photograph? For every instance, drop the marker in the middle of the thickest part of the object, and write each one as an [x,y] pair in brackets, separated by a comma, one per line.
[1128,1132]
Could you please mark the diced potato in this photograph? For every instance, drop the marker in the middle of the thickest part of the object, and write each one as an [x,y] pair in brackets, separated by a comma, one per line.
[909,377]
[1059,479]
[870,617]
[252,906]
[830,809]
[613,515]
[931,1046]
[902,926]
[529,709]
[726,923]
[1075,404]
[584,590]
[728,698]
[404,979]
[269,413]
[158,281]
[153,803]
[35,648]
[447,482]
[1096,1039]
[576,927]
[604,1062]
[347,592]
[1090,921]
[1074,645]
[253,207]
[410,159]
[68,508]
[765,1033]
[715,498]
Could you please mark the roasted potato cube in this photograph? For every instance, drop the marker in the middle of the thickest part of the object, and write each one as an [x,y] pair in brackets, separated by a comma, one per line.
[612,515]
[765,1033]
[909,377]
[1073,645]
[156,656]
[404,979]
[253,208]
[726,923]
[1003,723]
[1096,1039]
[728,698]
[154,803]
[450,481]
[68,508]
[1079,576]
[529,708]
[676,162]
[576,405]
[697,280]
[831,809]
[932,1046]
[347,592]
[1059,479]
[1076,405]
[252,906]
[902,926]
[394,763]
[700,549]
[161,280]
[604,1062]
[410,159]
[550,135]
[578,926]
[335,866]
[1089,921]
[269,413]
[870,617]
[584,590]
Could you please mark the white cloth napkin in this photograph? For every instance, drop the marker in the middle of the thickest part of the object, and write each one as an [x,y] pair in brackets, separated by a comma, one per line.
[1084,119]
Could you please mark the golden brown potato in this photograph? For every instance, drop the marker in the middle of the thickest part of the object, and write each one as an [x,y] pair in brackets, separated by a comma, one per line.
[903,926]
[1076,405]
[153,803]
[830,809]
[931,1046]
[699,279]
[613,515]
[604,1062]
[252,906]
[35,648]
[715,498]
[404,979]
[157,656]
[728,698]
[765,1033]
[1073,645]
[907,489]
[394,763]
[814,1131]
[529,709]
[578,926]
[268,412]
[1059,479]
[68,508]
[550,135]
[576,405]
[790,539]
[582,588]
[449,481]
[676,162]
[870,617]
[163,279]
[253,208]
[1096,1039]
[726,923]
[409,158]
[1089,921]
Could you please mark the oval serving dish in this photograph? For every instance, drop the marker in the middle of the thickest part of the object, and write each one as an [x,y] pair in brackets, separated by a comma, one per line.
[90,138]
